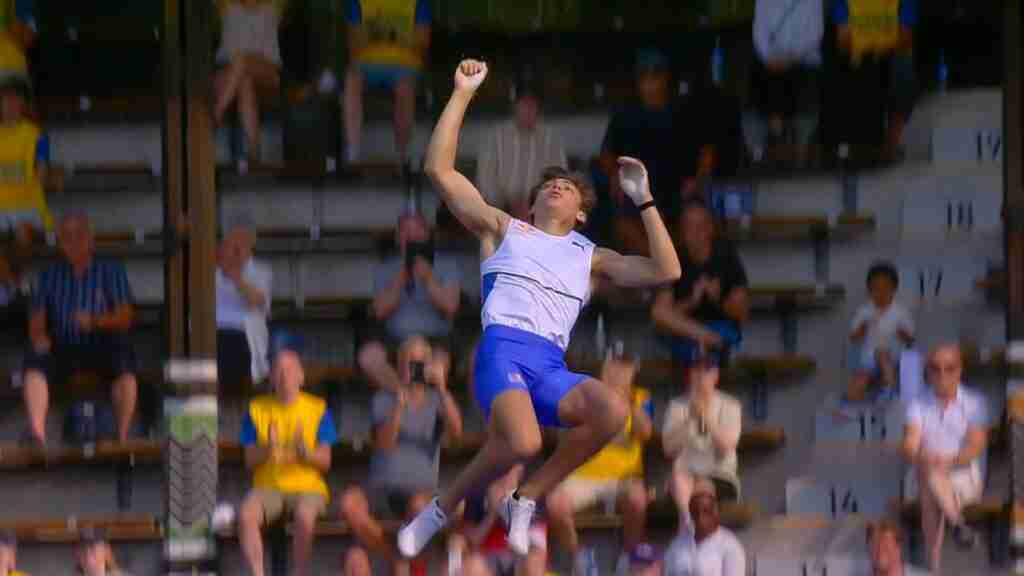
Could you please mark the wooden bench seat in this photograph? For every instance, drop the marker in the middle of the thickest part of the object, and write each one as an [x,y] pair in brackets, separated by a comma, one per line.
[986,510]
[118,528]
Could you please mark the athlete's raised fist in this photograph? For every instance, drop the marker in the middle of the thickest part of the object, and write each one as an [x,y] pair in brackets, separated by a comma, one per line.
[470,75]
[633,179]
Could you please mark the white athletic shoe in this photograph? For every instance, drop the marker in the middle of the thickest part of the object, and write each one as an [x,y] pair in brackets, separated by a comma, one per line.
[518,515]
[416,534]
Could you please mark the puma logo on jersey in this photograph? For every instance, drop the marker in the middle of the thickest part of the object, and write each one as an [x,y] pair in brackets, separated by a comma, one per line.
[515,378]
[580,246]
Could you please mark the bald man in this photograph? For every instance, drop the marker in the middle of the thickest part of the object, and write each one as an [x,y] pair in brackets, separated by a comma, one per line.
[946,434]
[81,317]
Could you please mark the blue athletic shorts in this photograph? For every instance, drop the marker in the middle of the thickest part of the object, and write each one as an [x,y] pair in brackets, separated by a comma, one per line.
[386,76]
[514,359]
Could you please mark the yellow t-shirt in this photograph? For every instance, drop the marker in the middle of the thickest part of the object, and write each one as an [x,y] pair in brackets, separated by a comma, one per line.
[317,428]
[390,27]
[874,26]
[12,58]
[623,457]
[20,188]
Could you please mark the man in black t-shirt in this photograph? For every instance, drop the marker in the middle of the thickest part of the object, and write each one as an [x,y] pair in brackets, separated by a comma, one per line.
[709,304]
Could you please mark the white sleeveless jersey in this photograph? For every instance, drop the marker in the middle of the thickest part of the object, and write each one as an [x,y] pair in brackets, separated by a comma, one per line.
[537,282]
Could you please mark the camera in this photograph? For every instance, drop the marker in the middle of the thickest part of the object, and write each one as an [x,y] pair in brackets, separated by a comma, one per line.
[416,373]
[415,250]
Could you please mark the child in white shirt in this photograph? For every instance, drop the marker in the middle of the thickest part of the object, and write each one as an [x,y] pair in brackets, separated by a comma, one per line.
[882,328]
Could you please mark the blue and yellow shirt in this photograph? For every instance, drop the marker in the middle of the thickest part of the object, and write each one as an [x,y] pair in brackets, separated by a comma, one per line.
[623,457]
[317,428]
[874,24]
[23,147]
[390,26]
[12,56]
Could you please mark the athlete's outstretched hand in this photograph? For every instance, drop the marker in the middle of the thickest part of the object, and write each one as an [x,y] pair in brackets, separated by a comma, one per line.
[633,180]
[470,75]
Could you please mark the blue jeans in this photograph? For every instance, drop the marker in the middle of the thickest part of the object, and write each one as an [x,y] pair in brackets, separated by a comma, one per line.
[684,350]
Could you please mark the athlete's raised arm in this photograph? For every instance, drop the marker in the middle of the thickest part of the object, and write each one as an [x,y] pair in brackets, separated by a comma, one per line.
[457,192]
[635,271]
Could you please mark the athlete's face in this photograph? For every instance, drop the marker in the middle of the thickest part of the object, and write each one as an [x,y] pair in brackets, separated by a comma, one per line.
[559,199]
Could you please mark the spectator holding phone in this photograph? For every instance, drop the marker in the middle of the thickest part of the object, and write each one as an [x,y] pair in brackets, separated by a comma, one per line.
[409,423]
[416,295]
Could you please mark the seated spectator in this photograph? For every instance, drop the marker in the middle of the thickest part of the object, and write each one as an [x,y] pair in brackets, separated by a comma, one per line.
[787,39]
[287,436]
[885,545]
[703,546]
[645,131]
[9,554]
[876,44]
[612,478]
[243,303]
[701,432]
[94,556]
[946,435]
[409,424]
[710,302]
[387,45]
[81,318]
[24,156]
[881,329]
[249,58]
[416,294]
[514,156]
[481,546]
[356,563]
[18,32]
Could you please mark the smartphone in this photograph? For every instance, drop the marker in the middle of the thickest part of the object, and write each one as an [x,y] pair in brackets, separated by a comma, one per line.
[415,250]
[416,372]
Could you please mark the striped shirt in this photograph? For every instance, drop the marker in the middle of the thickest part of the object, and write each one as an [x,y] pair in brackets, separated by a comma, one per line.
[61,294]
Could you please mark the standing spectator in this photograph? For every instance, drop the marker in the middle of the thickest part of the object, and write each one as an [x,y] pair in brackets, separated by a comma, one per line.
[787,39]
[944,439]
[249,58]
[710,302]
[881,328]
[356,563]
[243,303]
[9,554]
[876,41]
[703,546]
[612,478]
[387,44]
[645,131]
[701,431]
[94,556]
[885,545]
[287,436]
[416,294]
[515,155]
[409,423]
[481,544]
[81,319]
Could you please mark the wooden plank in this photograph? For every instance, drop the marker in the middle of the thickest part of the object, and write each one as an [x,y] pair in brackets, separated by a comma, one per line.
[987,509]
[121,527]
[763,298]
